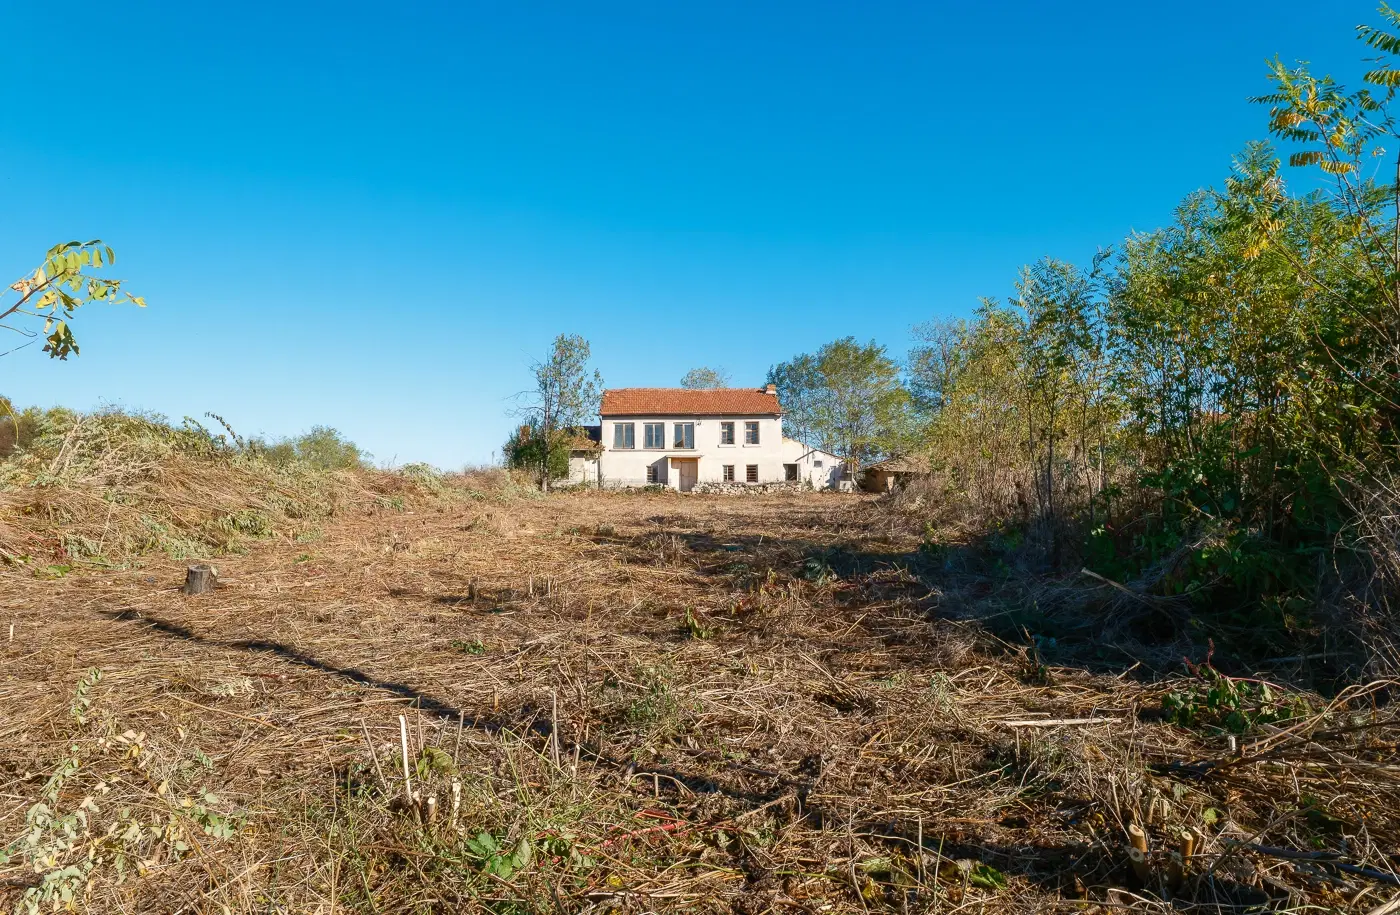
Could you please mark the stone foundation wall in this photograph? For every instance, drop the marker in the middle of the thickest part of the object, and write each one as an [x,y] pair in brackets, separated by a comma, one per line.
[739,489]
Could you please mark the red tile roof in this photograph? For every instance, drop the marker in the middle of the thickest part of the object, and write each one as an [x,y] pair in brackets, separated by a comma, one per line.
[687,402]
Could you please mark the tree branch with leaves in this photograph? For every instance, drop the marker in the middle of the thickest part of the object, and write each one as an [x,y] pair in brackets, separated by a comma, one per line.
[54,292]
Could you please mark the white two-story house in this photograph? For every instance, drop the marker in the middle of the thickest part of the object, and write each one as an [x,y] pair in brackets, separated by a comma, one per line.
[681,438]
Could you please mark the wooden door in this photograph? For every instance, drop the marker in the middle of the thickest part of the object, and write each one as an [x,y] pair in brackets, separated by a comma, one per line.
[689,472]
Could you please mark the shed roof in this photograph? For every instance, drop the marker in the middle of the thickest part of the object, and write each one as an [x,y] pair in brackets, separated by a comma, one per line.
[688,402]
[899,465]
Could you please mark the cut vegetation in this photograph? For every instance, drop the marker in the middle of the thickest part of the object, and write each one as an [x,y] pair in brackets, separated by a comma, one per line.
[414,693]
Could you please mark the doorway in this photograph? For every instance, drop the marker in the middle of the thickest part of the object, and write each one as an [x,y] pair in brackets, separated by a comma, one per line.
[689,472]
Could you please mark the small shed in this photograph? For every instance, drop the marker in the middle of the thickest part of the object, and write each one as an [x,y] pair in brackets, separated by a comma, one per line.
[585,444]
[888,475]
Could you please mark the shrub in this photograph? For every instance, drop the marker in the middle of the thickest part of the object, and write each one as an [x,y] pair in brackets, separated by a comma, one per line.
[323,448]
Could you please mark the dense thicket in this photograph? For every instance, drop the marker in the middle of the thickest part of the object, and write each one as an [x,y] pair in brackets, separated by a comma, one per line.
[1209,409]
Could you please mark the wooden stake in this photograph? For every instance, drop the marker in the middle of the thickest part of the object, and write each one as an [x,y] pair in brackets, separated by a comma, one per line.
[554,731]
[1137,852]
[430,807]
[921,850]
[403,743]
[471,590]
[200,578]
[456,801]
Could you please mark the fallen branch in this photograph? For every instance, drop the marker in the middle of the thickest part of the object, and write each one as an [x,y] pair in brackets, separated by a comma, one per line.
[1056,722]
[1323,857]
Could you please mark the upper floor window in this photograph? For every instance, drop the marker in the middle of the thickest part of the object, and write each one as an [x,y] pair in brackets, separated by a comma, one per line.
[726,433]
[751,433]
[624,435]
[685,435]
[654,435]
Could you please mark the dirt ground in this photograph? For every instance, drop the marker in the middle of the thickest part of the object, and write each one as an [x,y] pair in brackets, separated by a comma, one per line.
[634,702]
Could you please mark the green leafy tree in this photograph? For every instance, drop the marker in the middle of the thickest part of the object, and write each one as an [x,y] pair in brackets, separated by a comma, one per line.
[47,299]
[846,398]
[322,447]
[1213,410]
[566,396]
[705,378]
[937,357]
[525,450]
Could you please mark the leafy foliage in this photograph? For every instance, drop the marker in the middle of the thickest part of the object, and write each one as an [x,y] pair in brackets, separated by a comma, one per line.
[705,377]
[57,288]
[566,395]
[1231,704]
[323,448]
[1210,409]
[496,858]
[526,450]
[846,398]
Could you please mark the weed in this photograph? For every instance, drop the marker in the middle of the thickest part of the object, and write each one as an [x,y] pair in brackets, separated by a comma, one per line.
[817,570]
[65,844]
[496,858]
[695,628]
[1232,704]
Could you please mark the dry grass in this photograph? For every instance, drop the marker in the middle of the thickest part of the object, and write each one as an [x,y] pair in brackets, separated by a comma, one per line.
[649,702]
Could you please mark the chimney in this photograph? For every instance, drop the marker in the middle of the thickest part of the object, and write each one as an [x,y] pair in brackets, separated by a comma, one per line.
[770,389]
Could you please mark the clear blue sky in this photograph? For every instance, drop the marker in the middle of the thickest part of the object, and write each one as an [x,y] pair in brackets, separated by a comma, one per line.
[372,216]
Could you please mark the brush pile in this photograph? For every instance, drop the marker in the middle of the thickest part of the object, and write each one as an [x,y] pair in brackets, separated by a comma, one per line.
[96,490]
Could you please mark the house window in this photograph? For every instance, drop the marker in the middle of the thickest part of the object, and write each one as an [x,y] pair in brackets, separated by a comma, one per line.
[790,472]
[729,473]
[751,433]
[654,435]
[726,433]
[651,473]
[624,435]
[817,463]
[752,473]
[685,435]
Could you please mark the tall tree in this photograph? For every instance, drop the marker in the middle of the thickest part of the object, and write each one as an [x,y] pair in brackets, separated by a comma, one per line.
[704,378]
[566,395]
[939,353]
[53,293]
[846,398]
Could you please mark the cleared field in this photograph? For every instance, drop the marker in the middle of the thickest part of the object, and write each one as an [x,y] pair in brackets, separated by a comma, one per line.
[645,702]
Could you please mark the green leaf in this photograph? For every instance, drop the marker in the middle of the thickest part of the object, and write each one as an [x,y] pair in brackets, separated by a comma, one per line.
[987,877]
[522,856]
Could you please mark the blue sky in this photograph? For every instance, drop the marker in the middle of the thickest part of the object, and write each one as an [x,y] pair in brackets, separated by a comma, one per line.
[372,216]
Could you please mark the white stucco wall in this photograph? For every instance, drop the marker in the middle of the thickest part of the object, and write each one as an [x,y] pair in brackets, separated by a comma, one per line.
[582,469]
[622,467]
[820,469]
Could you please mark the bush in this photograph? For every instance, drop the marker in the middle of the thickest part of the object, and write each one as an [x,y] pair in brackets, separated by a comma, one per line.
[323,448]
[524,450]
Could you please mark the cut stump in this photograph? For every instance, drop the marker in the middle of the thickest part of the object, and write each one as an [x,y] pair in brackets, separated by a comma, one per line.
[199,579]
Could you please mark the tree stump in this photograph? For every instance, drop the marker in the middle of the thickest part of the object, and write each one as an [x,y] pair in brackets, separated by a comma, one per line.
[199,579]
